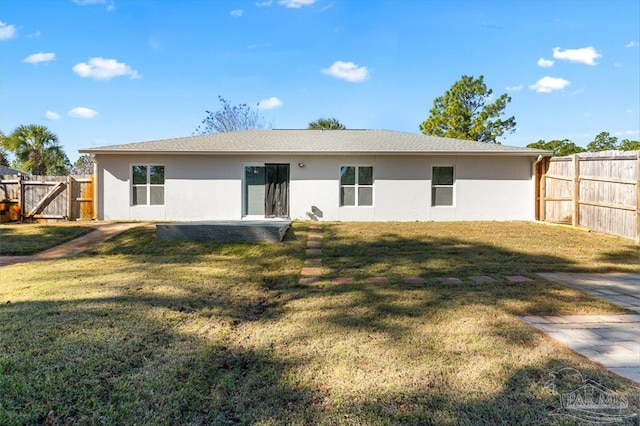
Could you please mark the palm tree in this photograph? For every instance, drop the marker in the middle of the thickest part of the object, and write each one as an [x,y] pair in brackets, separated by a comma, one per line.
[326,124]
[37,150]
[4,159]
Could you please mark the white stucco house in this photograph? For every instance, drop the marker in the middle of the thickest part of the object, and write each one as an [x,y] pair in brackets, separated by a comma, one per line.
[346,175]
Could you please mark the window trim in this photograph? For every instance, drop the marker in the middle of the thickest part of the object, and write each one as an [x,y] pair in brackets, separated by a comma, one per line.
[147,185]
[452,186]
[357,185]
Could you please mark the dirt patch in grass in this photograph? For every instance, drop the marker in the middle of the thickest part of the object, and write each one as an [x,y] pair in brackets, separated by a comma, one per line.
[148,332]
[26,239]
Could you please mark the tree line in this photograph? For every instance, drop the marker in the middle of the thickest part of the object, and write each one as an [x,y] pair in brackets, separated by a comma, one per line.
[602,142]
[37,151]
[464,111]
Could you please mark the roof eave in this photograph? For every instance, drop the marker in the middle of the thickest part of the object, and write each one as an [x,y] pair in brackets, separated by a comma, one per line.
[332,153]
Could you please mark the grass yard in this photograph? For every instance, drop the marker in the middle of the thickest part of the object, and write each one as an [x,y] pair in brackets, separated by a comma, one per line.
[138,331]
[18,239]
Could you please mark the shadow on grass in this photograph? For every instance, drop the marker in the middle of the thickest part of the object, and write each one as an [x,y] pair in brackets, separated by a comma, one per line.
[436,256]
[185,359]
[627,256]
[27,239]
[107,361]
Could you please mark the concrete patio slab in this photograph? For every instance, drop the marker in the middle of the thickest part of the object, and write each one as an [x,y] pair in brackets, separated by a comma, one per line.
[611,340]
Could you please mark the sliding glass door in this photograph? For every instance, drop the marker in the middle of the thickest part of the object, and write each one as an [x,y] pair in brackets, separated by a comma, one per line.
[266,190]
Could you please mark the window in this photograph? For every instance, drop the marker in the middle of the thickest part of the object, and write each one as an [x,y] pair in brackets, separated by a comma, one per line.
[442,186]
[356,186]
[147,185]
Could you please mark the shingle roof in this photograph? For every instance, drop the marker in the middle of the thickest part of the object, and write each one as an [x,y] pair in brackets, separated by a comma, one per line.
[4,170]
[315,142]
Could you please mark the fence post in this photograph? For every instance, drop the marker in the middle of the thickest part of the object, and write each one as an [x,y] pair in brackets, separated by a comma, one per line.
[542,205]
[21,197]
[638,198]
[575,217]
[69,197]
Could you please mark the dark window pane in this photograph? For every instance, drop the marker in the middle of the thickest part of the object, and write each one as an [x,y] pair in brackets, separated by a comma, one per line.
[442,196]
[347,175]
[157,175]
[157,195]
[442,176]
[139,175]
[365,196]
[365,175]
[347,196]
[139,195]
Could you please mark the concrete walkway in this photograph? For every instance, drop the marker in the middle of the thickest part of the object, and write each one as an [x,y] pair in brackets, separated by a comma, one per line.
[102,232]
[611,340]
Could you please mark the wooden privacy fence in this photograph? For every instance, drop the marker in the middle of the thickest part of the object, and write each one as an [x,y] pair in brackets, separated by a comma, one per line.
[24,197]
[599,191]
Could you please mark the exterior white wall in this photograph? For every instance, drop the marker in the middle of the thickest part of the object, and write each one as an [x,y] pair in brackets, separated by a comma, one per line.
[206,187]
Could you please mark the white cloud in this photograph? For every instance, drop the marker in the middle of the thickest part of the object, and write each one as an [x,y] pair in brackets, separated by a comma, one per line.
[296,4]
[110,5]
[617,64]
[37,34]
[104,69]
[7,31]
[347,71]
[264,3]
[631,44]
[236,13]
[270,103]
[50,115]
[545,63]
[514,88]
[585,55]
[36,58]
[549,84]
[82,112]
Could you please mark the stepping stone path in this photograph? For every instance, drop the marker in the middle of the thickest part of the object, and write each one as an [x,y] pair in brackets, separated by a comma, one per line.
[342,280]
[311,274]
[450,280]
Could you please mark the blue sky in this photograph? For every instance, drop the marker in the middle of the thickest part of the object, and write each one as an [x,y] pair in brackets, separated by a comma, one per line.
[101,72]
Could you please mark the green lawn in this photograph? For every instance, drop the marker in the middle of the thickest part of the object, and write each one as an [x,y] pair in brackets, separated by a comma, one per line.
[147,332]
[24,239]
